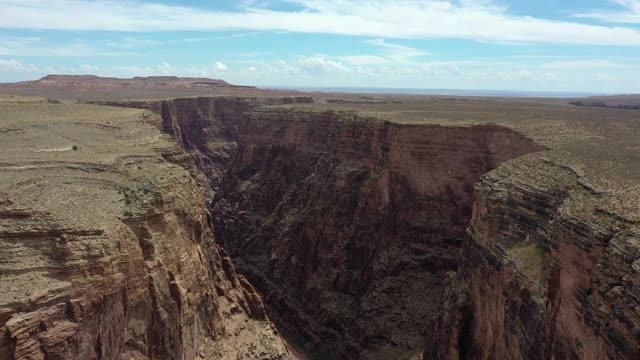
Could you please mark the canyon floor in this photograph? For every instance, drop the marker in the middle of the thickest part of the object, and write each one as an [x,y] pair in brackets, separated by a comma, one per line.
[178,218]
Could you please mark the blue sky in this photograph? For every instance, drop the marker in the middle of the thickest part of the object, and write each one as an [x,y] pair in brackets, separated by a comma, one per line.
[549,45]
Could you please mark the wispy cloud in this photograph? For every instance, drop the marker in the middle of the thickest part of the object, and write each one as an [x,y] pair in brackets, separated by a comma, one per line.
[366,60]
[398,52]
[220,66]
[629,13]
[35,46]
[390,54]
[585,64]
[321,64]
[117,47]
[461,19]
[131,43]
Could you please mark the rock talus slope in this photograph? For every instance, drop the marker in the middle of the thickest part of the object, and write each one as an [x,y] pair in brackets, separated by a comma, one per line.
[107,249]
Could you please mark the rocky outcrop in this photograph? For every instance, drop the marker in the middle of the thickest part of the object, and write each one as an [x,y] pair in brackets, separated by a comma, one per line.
[551,274]
[106,246]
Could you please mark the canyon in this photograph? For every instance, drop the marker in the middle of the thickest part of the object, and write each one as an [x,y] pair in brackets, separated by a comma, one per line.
[410,228]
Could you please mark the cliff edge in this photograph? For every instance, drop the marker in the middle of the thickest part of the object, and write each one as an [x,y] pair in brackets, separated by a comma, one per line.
[107,251]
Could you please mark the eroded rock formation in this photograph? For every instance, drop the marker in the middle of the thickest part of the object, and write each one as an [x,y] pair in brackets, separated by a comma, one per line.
[552,270]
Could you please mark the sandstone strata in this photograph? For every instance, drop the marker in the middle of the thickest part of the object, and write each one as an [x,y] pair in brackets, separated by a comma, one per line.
[550,268]
[106,247]
[206,127]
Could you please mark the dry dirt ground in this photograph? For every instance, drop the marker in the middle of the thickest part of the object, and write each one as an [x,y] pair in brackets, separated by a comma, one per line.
[59,161]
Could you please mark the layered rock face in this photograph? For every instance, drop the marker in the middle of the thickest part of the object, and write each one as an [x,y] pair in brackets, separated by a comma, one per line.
[107,249]
[551,271]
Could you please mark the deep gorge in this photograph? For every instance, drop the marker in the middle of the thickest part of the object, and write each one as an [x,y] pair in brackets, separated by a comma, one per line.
[370,239]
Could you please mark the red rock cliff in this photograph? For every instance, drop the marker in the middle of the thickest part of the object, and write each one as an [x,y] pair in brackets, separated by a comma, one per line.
[348,224]
[551,271]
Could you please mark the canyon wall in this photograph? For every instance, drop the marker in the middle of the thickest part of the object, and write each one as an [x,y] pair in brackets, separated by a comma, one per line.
[207,127]
[347,225]
[551,273]
[373,239]
[107,251]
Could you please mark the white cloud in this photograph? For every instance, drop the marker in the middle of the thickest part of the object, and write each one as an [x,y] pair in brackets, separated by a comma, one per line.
[630,13]
[14,65]
[252,69]
[366,60]
[480,20]
[544,74]
[582,64]
[39,46]
[188,40]
[321,64]
[391,54]
[221,66]
[400,51]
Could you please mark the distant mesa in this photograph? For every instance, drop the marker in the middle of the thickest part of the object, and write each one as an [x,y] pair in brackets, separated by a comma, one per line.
[97,82]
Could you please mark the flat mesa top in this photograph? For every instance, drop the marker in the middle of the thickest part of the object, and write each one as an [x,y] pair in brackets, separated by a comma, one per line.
[62,159]
[71,88]
[73,171]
